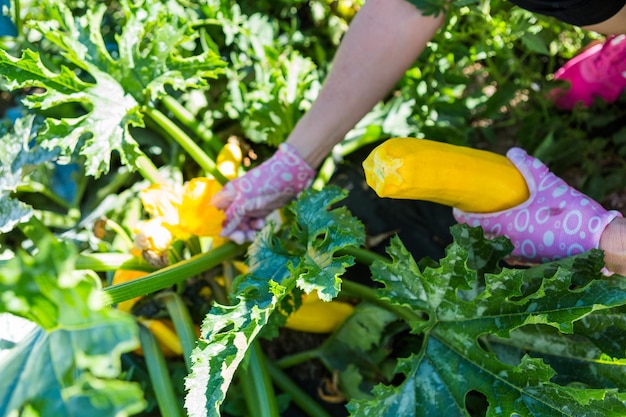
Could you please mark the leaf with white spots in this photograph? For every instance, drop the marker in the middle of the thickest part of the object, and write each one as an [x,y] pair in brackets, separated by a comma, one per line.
[18,154]
[303,256]
[463,307]
[110,82]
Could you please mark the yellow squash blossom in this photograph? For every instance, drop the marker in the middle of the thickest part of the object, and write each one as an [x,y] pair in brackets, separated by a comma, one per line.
[229,160]
[183,214]
[161,200]
[196,214]
[153,235]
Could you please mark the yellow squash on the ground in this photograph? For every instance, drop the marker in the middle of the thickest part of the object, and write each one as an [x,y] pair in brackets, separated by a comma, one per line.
[469,179]
[317,316]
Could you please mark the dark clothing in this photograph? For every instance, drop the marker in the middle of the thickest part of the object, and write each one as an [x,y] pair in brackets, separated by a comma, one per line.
[576,12]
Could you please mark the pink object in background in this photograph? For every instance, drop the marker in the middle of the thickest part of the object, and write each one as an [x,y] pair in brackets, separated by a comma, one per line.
[597,72]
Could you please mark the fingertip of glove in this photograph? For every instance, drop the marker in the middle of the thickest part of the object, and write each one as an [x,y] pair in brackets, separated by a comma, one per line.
[230,224]
[222,199]
[516,154]
[238,236]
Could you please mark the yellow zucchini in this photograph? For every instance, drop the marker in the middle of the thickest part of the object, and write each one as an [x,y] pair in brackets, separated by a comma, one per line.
[124,275]
[317,316]
[469,179]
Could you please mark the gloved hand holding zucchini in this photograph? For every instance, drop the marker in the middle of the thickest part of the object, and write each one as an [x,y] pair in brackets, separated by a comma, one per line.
[515,196]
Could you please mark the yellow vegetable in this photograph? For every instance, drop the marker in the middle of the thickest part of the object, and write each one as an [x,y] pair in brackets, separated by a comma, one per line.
[469,179]
[121,276]
[317,316]
[229,160]
[165,335]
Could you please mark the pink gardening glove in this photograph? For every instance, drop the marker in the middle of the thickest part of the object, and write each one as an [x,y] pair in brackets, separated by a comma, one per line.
[248,199]
[555,222]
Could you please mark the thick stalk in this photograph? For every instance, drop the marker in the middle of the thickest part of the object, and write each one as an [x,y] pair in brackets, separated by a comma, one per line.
[148,170]
[159,375]
[183,324]
[170,275]
[112,262]
[364,256]
[298,396]
[257,384]
[17,17]
[188,119]
[297,358]
[363,292]
[197,154]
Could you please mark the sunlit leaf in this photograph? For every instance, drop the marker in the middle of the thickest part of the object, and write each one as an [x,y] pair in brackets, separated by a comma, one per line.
[18,155]
[276,266]
[148,57]
[70,365]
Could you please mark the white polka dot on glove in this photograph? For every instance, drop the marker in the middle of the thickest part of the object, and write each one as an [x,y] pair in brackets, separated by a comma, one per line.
[555,222]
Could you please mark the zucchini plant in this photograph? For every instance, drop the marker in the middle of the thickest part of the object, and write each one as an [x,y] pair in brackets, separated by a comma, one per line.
[129,115]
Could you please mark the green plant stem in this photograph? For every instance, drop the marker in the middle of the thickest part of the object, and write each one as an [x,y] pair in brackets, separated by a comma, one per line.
[17,17]
[148,170]
[363,292]
[299,397]
[121,232]
[188,119]
[257,384]
[171,275]
[193,244]
[112,262]
[324,174]
[297,358]
[182,323]
[197,154]
[341,150]
[364,256]
[37,187]
[159,375]
[372,134]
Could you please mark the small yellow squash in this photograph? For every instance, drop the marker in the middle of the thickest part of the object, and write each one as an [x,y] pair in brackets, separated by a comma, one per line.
[469,179]
[317,316]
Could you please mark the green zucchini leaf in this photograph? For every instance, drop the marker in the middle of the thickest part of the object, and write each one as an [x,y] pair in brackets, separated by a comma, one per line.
[454,360]
[70,366]
[278,264]
[110,82]
[18,155]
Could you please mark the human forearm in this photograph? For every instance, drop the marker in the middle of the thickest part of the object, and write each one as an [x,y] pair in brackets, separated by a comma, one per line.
[384,40]
[613,243]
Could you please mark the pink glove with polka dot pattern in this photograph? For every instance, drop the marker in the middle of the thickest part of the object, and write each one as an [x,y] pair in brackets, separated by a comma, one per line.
[248,199]
[555,222]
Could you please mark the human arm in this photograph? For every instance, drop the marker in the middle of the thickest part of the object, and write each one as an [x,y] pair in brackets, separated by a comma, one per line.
[383,41]
[613,243]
